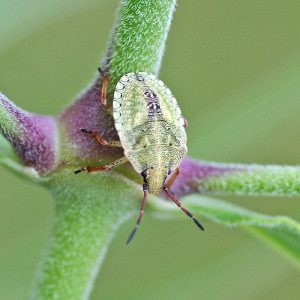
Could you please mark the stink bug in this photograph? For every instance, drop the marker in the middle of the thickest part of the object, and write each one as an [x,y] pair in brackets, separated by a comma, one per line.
[151,131]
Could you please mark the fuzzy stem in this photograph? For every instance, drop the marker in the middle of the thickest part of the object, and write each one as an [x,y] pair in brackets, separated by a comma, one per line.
[139,37]
[255,180]
[88,212]
[221,178]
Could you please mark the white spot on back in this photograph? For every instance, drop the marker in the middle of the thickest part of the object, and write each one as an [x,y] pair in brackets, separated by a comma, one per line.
[117,95]
[160,83]
[181,121]
[168,92]
[116,114]
[116,104]
[120,86]
[118,126]
[124,78]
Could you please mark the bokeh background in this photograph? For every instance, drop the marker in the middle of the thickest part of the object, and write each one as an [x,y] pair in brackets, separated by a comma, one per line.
[234,67]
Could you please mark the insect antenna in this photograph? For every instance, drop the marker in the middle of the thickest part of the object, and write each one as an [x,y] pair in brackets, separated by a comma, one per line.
[139,220]
[187,212]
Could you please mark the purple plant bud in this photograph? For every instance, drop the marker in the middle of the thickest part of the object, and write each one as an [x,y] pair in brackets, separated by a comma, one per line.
[33,137]
[87,112]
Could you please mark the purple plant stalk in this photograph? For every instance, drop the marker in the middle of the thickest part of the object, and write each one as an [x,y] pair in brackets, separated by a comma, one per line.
[33,137]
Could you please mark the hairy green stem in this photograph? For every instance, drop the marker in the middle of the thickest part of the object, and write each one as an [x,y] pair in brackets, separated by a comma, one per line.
[241,179]
[89,209]
[139,37]
[255,180]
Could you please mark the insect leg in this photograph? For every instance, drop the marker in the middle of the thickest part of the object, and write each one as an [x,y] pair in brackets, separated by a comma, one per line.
[103,97]
[172,178]
[187,212]
[139,220]
[114,164]
[102,141]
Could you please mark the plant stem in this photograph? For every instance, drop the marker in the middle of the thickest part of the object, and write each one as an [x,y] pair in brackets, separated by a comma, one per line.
[89,209]
[221,178]
[255,180]
[139,38]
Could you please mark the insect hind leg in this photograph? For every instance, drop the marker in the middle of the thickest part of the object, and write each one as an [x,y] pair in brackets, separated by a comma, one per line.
[139,220]
[187,212]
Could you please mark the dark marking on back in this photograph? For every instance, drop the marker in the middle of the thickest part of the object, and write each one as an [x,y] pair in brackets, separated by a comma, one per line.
[153,104]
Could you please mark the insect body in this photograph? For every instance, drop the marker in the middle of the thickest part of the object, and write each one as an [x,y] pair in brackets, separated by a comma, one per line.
[152,133]
[150,127]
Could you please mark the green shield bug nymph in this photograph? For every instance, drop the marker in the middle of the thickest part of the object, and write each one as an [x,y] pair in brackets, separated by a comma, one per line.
[151,131]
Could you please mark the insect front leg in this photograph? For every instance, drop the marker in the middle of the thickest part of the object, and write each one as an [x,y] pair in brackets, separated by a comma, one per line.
[172,178]
[101,140]
[103,97]
[114,164]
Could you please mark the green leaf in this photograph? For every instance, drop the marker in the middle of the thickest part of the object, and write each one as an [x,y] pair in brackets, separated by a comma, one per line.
[282,232]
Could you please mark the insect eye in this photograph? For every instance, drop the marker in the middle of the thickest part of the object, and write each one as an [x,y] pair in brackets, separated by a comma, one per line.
[169,172]
[144,174]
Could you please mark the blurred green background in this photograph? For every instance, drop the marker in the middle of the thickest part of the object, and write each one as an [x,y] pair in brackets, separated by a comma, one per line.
[234,67]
